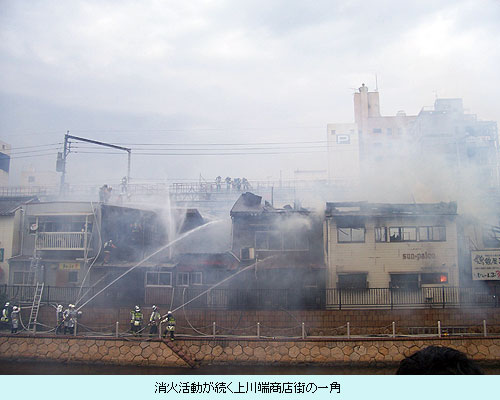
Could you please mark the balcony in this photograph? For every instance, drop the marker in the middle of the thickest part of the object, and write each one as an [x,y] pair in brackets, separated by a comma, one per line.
[61,241]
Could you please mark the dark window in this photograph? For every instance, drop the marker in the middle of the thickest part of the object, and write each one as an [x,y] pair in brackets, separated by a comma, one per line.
[73,277]
[23,278]
[158,278]
[404,281]
[433,278]
[269,240]
[351,235]
[352,281]
[377,130]
[403,234]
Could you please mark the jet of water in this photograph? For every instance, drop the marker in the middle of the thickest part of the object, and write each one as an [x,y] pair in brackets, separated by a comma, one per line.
[220,283]
[183,236]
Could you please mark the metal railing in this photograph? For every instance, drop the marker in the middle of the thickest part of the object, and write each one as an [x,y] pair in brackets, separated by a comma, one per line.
[267,299]
[60,241]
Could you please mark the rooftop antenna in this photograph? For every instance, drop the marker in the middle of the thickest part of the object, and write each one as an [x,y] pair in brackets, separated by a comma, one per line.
[376,83]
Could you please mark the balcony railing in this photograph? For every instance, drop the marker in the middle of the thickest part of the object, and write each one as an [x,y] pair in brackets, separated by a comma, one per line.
[60,241]
[266,299]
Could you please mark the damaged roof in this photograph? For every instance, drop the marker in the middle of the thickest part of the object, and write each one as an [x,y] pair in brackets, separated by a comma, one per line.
[9,205]
[387,209]
[250,203]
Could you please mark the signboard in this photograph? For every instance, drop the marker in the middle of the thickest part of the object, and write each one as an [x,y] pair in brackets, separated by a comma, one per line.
[343,139]
[486,265]
[67,266]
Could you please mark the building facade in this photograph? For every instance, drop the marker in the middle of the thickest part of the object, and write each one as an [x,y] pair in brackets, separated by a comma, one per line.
[401,246]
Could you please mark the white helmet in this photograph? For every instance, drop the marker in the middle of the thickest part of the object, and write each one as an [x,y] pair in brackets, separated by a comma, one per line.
[154,308]
[169,313]
[59,307]
[7,304]
[71,306]
[14,308]
[137,308]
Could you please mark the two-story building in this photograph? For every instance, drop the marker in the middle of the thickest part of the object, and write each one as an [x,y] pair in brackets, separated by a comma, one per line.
[399,246]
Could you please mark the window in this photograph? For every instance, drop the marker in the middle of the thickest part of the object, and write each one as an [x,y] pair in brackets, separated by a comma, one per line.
[72,276]
[333,131]
[23,278]
[351,235]
[31,179]
[182,279]
[270,240]
[381,234]
[403,234]
[159,278]
[404,281]
[377,130]
[2,252]
[432,233]
[196,278]
[389,131]
[352,281]
[433,278]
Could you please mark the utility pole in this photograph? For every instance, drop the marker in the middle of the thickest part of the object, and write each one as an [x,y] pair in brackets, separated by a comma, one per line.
[61,157]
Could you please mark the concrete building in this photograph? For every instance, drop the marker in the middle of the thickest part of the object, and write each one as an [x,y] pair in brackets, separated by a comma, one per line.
[466,146]
[4,163]
[403,246]
[357,148]
[10,228]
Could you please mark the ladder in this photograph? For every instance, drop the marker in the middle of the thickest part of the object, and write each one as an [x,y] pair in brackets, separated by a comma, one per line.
[35,307]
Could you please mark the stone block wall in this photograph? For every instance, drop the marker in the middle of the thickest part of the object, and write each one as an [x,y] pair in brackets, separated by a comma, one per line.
[114,351]
[190,351]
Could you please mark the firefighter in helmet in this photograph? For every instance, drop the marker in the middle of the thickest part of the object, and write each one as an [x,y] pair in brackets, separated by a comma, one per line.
[136,321]
[14,319]
[154,321]
[170,327]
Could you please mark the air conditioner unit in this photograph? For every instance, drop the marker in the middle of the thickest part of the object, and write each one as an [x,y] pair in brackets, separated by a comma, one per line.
[247,253]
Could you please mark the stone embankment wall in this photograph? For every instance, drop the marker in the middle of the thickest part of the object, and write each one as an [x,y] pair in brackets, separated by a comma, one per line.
[189,351]
[288,323]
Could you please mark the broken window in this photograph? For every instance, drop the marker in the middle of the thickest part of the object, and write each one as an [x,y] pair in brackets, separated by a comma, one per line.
[351,235]
[269,240]
[381,234]
[434,278]
[160,278]
[352,281]
[295,241]
[403,234]
[404,281]
[432,233]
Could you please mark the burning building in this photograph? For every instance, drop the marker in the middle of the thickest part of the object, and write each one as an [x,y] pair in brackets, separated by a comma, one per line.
[400,246]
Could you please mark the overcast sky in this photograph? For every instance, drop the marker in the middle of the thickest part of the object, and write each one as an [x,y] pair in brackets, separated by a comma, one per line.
[234,72]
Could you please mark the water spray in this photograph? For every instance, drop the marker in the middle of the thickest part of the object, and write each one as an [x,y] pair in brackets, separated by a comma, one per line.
[147,258]
[220,283]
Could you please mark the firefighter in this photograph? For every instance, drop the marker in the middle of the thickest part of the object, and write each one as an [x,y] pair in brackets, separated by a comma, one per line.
[5,319]
[109,248]
[136,321]
[59,318]
[154,321]
[70,316]
[218,183]
[14,319]
[170,320]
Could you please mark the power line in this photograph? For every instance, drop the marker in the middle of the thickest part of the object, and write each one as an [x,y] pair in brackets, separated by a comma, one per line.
[38,145]
[222,149]
[205,154]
